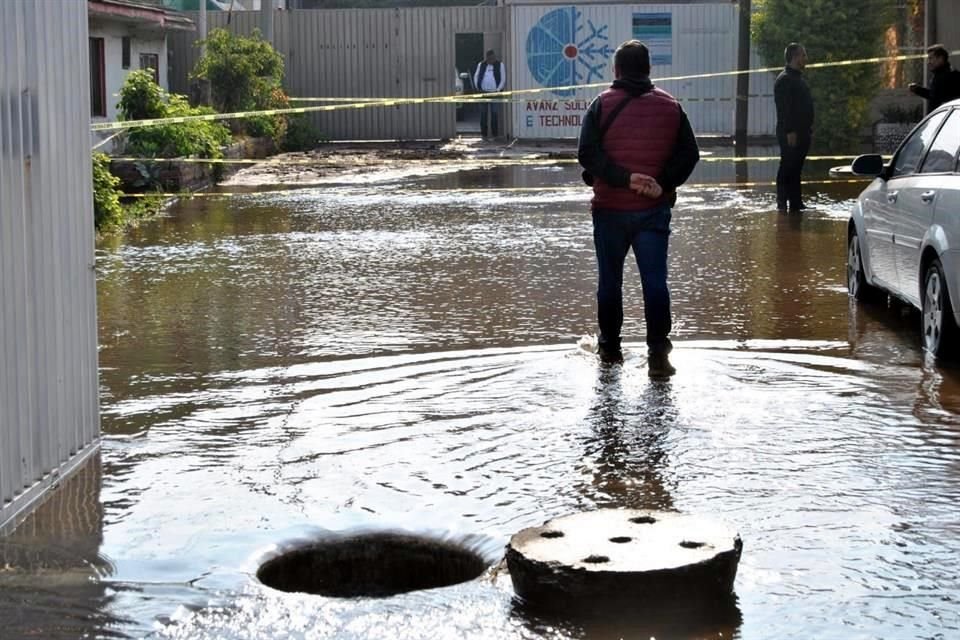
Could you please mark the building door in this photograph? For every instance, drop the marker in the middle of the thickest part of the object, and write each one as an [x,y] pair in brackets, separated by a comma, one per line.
[468,54]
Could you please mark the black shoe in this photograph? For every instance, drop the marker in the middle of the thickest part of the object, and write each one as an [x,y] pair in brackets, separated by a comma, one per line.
[658,365]
[800,207]
[610,354]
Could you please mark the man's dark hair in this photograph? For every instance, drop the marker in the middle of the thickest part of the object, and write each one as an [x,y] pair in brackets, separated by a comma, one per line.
[791,51]
[939,51]
[491,52]
[632,58]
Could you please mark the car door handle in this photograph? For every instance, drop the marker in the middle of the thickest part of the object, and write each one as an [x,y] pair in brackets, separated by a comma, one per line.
[928,196]
[892,196]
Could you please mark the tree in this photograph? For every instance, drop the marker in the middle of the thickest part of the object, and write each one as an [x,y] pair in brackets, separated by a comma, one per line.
[243,72]
[831,30]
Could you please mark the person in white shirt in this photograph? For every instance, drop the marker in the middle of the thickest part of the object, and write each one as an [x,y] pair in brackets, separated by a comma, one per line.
[490,77]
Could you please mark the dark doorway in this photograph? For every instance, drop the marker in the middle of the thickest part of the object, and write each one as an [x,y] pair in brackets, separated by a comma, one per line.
[468,53]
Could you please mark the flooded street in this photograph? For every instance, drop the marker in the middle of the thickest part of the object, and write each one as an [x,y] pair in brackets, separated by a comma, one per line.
[404,354]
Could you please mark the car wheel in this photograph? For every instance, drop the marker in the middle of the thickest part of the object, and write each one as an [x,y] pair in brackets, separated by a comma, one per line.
[939,328]
[857,284]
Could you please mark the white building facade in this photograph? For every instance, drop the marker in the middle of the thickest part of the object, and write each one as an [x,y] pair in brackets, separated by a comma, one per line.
[125,37]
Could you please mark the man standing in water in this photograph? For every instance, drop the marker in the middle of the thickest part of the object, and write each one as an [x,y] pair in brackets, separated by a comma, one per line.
[636,146]
[794,126]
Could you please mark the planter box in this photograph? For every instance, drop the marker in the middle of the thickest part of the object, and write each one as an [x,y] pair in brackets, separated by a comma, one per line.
[173,176]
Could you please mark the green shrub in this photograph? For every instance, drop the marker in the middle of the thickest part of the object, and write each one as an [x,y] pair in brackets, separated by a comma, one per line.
[240,70]
[831,30]
[245,74]
[107,212]
[301,135]
[141,98]
[142,208]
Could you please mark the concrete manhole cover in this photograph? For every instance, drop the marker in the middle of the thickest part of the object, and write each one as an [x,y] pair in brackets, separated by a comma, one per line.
[622,554]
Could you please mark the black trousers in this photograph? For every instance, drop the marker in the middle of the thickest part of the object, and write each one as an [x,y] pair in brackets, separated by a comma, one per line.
[791,166]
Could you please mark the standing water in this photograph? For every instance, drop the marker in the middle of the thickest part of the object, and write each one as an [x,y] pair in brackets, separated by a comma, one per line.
[403,355]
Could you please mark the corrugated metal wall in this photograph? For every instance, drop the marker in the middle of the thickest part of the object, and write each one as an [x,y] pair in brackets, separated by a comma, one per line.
[48,350]
[362,53]
[558,45]
[947,25]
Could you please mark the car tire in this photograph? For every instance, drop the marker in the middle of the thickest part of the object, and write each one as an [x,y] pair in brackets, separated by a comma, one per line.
[857,285]
[938,328]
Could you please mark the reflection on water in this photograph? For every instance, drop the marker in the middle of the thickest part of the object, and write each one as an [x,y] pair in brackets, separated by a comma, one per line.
[631,421]
[354,356]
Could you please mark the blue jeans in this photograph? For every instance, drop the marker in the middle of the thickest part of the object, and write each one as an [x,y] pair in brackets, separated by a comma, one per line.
[490,119]
[647,232]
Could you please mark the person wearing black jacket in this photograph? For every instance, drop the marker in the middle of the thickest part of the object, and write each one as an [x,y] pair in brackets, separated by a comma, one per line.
[636,147]
[794,126]
[945,82]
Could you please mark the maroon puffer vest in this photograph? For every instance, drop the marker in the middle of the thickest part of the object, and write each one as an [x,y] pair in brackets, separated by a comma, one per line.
[641,140]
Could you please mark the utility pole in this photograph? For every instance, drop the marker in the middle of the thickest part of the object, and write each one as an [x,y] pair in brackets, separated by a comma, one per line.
[202,26]
[926,39]
[742,109]
[266,20]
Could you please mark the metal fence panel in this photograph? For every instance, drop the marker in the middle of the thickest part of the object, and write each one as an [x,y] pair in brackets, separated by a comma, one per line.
[48,383]
[361,53]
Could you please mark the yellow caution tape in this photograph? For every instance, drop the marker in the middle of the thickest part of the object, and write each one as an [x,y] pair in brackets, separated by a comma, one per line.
[584,189]
[361,103]
[443,161]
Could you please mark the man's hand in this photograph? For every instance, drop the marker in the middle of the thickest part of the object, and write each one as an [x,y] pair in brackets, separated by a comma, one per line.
[792,139]
[644,185]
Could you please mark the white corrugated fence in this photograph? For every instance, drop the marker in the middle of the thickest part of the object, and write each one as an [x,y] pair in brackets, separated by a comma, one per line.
[373,53]
[48,342]
[569,44]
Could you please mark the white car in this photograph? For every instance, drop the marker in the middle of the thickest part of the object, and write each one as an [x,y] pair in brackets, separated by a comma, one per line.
[904,234]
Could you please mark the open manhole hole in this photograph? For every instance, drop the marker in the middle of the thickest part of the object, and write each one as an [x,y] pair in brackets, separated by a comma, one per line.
[371,565]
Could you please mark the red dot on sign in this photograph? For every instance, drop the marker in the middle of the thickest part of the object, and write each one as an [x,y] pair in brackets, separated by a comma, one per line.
[570,51]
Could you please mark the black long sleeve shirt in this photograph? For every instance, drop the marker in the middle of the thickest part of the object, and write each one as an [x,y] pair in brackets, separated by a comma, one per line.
[944,87]
[794,103]
[595,160]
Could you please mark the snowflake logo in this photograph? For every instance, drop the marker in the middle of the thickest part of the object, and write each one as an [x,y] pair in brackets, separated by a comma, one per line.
[562,50]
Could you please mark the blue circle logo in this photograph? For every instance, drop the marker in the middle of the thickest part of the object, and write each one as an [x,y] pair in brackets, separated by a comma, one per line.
[562,51]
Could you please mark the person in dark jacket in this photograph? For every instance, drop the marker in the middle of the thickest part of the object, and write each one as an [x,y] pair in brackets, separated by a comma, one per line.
[635,154]
[794,126]
[944,83]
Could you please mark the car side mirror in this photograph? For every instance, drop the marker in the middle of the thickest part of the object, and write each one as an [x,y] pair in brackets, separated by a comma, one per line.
[868,165]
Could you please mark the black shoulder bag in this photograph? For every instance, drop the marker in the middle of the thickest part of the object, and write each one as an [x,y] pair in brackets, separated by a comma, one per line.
[586,175]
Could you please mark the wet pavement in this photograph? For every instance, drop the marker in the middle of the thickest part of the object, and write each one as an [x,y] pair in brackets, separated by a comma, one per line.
[403,354]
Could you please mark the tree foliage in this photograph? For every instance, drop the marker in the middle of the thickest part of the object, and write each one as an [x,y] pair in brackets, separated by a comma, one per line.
[831,30]
[107,212]
[243,72]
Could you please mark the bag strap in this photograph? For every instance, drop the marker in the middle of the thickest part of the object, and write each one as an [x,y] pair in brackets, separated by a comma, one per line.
[613,115]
